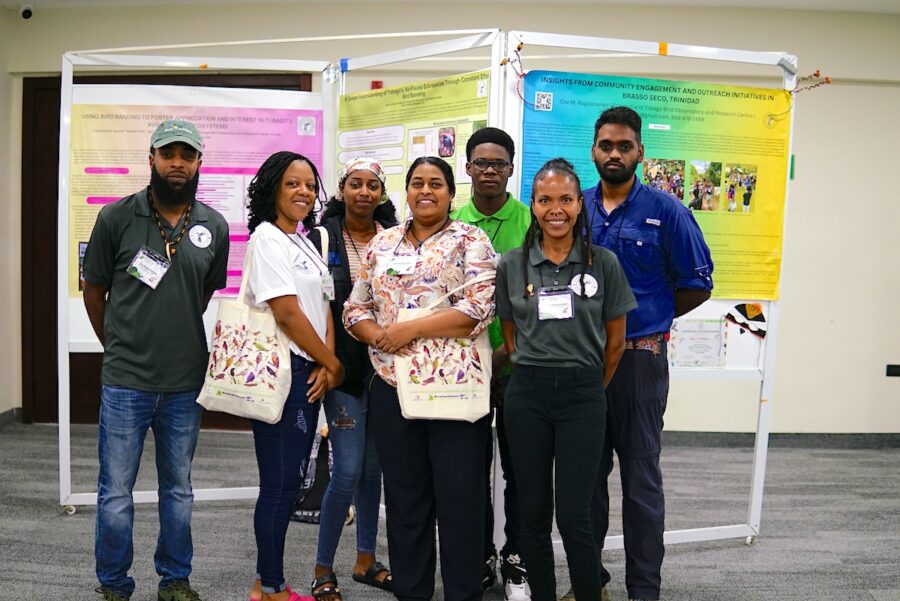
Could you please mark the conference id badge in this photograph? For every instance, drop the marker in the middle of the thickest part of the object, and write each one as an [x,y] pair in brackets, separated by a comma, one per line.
[148,266]
[555,303]
[402,265]
[327,287]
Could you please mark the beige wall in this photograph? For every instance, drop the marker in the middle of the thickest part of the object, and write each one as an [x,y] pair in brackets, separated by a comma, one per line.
[10,237]
[841,269]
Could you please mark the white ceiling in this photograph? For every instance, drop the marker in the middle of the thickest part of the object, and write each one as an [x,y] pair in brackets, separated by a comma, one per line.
[870,6]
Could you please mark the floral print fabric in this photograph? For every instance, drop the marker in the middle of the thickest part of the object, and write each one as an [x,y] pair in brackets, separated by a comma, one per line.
[446,260]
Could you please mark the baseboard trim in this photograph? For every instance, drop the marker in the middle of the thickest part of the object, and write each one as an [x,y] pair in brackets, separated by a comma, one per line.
[807,441]
[11,416]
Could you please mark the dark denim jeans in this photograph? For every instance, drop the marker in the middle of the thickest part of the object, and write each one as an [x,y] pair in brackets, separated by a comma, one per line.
[282,455]
[355,471]
[125,416]
[637,402]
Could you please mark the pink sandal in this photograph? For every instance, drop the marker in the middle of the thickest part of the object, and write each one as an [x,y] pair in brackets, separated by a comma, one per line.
[293,596]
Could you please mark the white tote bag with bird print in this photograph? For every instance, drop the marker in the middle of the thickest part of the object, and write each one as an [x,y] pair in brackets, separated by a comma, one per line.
[445,378]
[249,370]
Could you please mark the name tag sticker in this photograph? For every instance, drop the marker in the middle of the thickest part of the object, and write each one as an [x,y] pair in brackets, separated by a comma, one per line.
[402,265]
[652,221]
[555,303]
[148,266]
[328,287]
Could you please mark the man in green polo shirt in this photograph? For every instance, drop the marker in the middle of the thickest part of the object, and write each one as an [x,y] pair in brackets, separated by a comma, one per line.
[489,156]
[152,264]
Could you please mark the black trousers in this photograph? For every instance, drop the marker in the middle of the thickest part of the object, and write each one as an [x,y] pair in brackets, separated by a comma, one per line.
[637,400]
[510,496]
[555,419]
[433,470]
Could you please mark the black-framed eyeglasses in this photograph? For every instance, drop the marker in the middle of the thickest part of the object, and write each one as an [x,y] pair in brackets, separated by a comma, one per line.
[483,164]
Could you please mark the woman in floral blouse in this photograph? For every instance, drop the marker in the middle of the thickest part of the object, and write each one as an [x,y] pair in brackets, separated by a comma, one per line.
[433,469]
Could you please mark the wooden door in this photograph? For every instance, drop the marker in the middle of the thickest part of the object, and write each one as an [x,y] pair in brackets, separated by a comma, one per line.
[40,189]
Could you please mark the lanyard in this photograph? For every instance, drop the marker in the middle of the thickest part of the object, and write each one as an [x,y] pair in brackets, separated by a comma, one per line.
[420,242]
[171,245]
[353,242]
[314,256]
[496,231]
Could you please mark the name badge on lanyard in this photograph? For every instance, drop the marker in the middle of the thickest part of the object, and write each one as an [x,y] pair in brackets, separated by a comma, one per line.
[556,303]
[402,265]
[148,266]
[327,286]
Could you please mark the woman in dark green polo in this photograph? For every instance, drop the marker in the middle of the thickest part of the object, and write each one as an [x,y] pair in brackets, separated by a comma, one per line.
[562,304]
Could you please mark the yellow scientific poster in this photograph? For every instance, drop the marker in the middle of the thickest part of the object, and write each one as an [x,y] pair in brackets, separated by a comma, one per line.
[721,150]
[399,124]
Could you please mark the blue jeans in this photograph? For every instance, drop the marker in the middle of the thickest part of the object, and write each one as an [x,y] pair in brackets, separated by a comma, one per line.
[125,416]
[282,455]
[355,470]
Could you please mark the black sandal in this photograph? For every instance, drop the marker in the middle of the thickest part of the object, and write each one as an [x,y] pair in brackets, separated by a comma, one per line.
[371,577]
[329,587]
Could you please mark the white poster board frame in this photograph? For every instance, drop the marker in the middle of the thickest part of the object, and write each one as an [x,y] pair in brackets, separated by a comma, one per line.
[509,118]
[765,372]
[111,58]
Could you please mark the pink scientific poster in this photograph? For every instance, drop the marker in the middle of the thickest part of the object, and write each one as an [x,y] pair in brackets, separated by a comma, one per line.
[110,142]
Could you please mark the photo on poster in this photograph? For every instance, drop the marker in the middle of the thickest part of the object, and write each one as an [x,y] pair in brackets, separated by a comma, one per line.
[421,144]
[665,175]
[82,248]
[447,146]
[740,186]
[705,184]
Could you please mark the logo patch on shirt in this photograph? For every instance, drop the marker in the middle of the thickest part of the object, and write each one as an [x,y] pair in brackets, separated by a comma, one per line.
[200,236]
[652,221]
[302,265]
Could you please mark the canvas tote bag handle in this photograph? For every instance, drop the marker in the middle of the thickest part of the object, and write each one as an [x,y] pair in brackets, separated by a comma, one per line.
[323,235]
[484,277]
[248,263]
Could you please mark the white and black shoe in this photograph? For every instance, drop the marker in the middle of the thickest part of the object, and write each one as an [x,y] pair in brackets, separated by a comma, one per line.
[515,578]
[489,574]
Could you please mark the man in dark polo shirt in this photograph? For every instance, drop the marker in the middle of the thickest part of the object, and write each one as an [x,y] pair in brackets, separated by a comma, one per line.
[668,265]
[152,264]
[489,162]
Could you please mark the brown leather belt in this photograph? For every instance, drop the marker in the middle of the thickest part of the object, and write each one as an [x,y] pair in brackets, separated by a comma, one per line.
[653,343]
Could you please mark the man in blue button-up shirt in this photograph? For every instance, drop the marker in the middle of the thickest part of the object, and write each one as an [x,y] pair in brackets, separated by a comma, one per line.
[668,265]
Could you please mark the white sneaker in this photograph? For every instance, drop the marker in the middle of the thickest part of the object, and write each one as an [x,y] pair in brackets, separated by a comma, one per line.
[517,591]
[515,578]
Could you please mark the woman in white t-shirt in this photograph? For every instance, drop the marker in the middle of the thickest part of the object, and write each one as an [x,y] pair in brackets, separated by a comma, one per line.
[288,274]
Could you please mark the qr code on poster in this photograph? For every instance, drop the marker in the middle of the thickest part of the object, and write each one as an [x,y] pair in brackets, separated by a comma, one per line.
[543,101]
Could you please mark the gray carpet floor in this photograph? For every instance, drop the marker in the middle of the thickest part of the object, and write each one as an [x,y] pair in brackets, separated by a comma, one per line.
[830,527]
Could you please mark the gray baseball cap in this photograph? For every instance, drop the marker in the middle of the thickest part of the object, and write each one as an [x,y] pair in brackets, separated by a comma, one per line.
[176,130]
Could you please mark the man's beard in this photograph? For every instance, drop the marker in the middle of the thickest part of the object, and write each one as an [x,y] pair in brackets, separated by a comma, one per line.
[616,177]
[168,195]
